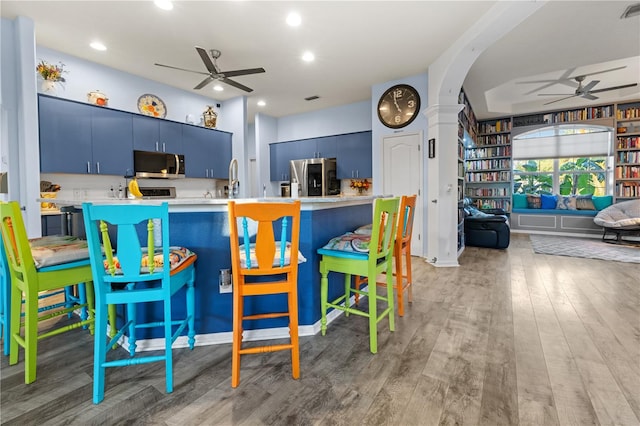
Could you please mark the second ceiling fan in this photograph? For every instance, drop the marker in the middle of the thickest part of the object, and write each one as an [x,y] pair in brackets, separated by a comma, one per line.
[214,72]
[585,91]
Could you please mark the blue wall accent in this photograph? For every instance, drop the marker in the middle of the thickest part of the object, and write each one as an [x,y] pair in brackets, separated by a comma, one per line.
[206,233]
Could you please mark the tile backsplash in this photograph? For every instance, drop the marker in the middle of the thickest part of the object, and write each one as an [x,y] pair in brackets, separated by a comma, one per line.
[99,186]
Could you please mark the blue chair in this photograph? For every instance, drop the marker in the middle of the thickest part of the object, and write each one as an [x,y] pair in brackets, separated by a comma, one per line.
[132,276]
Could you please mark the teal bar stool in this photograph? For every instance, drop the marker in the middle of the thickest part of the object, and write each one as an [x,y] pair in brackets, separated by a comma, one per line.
[377,260]
[138,272]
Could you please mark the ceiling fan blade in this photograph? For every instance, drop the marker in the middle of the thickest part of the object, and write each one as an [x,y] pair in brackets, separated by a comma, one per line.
[555,94]
[242,72]
[561,99]
[182,69]
[204,83]
[589,86]
[624,86]
[207,60]
[589,96]
[236,84]
[599,72]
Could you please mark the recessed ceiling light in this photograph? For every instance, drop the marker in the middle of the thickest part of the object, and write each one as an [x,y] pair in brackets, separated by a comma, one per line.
[261,103]
[98,46]
[218,88]
[294,19]
[164,4]
[308,56]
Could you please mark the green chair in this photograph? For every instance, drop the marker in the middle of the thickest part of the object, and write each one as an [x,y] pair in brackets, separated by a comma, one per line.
[27,280]
[377,260]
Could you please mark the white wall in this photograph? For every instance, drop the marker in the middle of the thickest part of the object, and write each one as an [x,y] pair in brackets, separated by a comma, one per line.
[331,121]
[123,89]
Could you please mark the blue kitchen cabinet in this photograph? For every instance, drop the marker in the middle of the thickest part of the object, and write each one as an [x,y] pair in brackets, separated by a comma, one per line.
[112,142]
[280,155]
[327,147]
[155,134]
[324,147]
[207,152]
[65,136]
[354,156]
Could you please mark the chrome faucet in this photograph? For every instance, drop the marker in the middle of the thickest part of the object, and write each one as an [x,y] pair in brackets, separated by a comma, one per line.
[234,183]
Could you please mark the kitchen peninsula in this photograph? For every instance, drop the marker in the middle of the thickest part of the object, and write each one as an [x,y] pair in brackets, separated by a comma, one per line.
[201,225]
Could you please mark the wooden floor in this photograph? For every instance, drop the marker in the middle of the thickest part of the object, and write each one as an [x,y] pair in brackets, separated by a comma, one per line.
[510,337]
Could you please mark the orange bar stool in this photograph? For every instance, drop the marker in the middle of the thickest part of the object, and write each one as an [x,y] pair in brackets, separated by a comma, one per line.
[264,257]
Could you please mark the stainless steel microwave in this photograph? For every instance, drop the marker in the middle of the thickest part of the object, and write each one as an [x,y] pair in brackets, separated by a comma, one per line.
[150,164]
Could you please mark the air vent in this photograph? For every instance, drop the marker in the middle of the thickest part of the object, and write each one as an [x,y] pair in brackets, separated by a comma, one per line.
[631,11]
[312,98]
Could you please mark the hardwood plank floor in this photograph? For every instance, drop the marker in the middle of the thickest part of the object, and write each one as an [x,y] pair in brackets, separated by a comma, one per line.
[508,338]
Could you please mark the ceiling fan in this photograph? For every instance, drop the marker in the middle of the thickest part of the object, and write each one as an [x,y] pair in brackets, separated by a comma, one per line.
[586,90]
[214,72]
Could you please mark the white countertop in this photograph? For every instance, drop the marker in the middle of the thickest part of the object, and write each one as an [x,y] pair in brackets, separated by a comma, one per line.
[220,204]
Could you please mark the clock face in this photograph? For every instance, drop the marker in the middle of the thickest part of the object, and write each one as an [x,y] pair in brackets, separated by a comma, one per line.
[152,105]
[399,106]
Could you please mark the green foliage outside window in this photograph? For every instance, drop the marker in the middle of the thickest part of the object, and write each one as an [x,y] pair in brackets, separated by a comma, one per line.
[575,176]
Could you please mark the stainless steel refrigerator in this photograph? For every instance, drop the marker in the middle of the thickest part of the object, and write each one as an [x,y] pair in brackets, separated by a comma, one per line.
[316,177]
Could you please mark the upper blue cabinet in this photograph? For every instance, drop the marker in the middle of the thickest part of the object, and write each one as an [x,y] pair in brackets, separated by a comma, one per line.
[80,138]
[155,134]
[354,156]
[352,151]
[83,139]
[207,152]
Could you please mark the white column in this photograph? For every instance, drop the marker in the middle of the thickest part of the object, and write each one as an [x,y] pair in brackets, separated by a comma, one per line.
[442,188]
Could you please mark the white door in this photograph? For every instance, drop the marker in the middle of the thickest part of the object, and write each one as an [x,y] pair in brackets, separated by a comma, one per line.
[402,175]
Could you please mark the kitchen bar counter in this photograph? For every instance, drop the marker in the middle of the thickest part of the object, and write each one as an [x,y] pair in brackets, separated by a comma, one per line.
[201,225]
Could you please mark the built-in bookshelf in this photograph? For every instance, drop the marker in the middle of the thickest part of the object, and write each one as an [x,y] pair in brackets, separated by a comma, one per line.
[488,174]
[627,152]
[467,134]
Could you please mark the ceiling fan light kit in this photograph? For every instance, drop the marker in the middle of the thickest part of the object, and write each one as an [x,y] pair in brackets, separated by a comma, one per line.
[214,74]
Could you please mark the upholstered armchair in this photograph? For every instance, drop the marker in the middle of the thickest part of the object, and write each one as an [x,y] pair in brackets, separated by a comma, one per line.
[485,228]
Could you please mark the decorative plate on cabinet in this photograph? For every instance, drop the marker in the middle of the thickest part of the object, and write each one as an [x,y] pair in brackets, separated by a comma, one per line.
[152,105]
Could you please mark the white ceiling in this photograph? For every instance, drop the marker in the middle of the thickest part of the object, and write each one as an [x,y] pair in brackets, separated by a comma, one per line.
[357,45]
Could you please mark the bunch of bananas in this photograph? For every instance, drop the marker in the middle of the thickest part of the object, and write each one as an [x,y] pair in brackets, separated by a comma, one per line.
[134,189]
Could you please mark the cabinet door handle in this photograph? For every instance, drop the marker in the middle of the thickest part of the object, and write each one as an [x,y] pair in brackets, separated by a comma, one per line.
[206,172]
[211,173]
[97,167]
[357,173]
[88,166]
[157,146]
[164,149]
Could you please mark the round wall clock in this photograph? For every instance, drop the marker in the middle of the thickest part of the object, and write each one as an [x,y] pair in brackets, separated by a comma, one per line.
[398,106]
[152,105]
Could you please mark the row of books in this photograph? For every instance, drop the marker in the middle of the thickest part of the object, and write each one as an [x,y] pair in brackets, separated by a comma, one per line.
[627,190]
[502,176]
[497,151]
[627,142]
[502,139]
[628,157]
[589,113]
[483,203]
[627,113]
[627,172]
[503,163]
[497,126]
[488,192]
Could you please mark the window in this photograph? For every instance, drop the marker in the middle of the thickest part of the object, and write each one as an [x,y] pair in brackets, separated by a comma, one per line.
[563,159]
[564,176]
